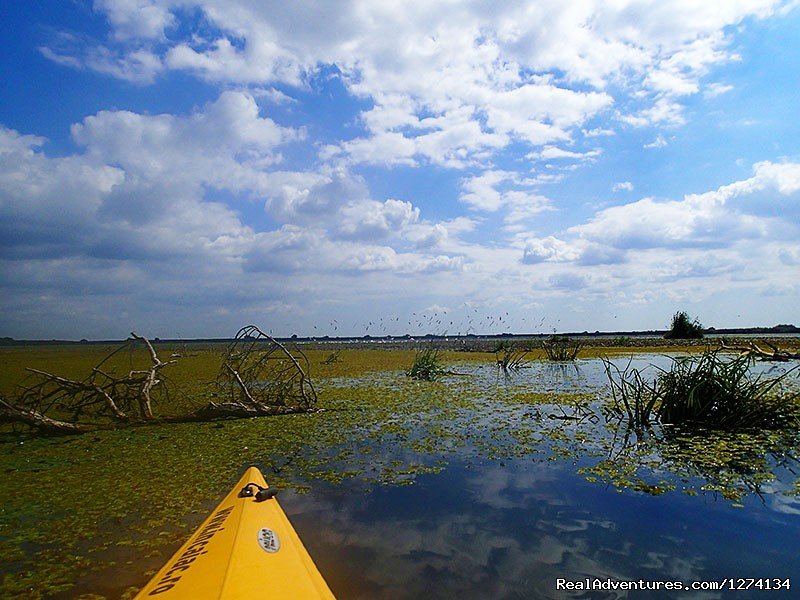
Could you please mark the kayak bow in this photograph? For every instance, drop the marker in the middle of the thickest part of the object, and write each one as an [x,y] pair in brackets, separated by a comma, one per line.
[246,548]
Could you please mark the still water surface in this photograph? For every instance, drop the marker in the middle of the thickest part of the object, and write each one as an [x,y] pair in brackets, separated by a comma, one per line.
[510,531]
[510,527]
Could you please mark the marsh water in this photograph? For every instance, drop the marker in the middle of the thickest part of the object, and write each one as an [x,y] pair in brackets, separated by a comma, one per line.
[479,486]
[512,531]
[510,527]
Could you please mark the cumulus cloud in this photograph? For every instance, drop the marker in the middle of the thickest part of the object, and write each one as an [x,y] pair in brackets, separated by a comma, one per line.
[136,213]
[137,19]
[734,235]
[371,219]
[494,190]
[548,249]
[500,101]
[47,205]
[223,145]
[448,85]
[579,252]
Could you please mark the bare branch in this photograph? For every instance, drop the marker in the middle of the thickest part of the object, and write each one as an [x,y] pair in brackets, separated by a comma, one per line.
[751,350]
[10,413]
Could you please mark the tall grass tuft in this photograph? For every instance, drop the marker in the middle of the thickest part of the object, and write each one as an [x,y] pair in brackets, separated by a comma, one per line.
[427,365]
[561,348]
[510,358]
[718,391]
[631,393]
[707,391]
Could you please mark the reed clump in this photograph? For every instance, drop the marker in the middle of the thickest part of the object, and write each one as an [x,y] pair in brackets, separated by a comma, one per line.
[427,365]
[711,391]
[509,357]
[561,348]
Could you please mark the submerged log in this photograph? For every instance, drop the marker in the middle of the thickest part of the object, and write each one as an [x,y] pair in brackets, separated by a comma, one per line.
[228,410]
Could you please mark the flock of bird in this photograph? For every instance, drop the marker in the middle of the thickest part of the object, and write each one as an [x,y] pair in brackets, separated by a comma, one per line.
[439,322]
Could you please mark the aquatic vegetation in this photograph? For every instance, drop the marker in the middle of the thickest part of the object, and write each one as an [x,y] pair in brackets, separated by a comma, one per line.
[510,358]
[561,348]
[713,390]
[732,465]
[683,327]
[427,365]
[333,357]
[631,394]
[710,390]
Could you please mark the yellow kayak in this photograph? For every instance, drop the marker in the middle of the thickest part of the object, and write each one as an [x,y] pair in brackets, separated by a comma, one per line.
[246,548]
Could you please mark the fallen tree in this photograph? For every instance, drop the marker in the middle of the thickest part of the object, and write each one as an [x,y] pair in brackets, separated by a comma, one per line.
[258,376]
[752,350]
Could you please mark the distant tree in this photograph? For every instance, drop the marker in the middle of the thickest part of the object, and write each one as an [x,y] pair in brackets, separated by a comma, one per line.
[684,327]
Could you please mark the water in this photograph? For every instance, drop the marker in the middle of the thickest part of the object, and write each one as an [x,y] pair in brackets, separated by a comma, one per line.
[511,531]
[511,527]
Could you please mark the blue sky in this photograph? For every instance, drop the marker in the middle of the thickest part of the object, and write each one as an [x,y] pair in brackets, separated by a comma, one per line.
[185,167]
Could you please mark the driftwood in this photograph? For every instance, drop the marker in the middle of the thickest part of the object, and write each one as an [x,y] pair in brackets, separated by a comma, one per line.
[258,377]
[55,404]
[751,350]
[258,371]
[10,413]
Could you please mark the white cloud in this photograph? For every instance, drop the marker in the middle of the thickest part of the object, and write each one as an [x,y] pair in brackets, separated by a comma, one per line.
[137,19]
[659,142]
[450,84]
[138,66]
[494,190]
[713,90]
[215,146]
[548,249]
[718,218]
[480,193]
[135,214]
[427,236]
[739,235]
[554,152]
[622,186]
[148,198]
[369,219]
[569,282]
[597,132]
[47,205]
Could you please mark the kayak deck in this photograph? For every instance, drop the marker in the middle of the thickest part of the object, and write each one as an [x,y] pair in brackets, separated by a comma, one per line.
[246,548]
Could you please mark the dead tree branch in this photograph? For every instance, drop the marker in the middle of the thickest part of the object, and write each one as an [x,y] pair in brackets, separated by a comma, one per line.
[10,413]
[752,350]
[258,377]
[259,373]
[56,404]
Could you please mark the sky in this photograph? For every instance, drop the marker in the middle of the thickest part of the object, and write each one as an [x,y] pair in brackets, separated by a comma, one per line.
[183,168]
